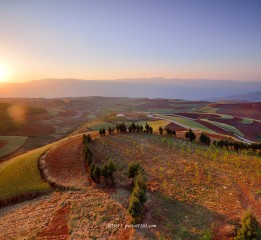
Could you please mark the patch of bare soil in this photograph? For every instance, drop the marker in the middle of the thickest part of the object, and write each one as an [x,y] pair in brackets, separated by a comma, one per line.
[82,214]
[64,165]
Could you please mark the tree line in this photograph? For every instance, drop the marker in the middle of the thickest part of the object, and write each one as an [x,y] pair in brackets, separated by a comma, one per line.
[96,172]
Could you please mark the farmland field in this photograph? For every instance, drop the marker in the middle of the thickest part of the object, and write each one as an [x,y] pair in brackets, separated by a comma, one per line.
[13,143]
[189,123]
[230,128]
[21,175]
[193,189]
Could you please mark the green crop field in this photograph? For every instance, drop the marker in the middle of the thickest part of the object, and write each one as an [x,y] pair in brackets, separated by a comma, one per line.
[208,109]
[14,143]
[230,128]
[21,175]
[247,120]
[98,125]
[189,123]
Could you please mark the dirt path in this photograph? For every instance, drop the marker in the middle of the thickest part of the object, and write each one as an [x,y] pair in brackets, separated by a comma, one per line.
[64,165]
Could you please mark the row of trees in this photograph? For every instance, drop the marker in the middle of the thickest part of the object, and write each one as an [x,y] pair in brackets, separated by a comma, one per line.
[123,128]
[138,196]
[237,145]
[96,172]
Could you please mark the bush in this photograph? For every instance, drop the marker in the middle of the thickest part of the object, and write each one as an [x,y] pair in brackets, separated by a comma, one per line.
[135,207]
[139,193]
[96,174]
[108,170]
[249,228]
[190,135]
[204,139]
[133,169]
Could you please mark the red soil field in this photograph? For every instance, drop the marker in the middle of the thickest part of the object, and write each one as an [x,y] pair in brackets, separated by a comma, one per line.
[248,110]
[250,131]
[65,164]
[34,129]
[175,127]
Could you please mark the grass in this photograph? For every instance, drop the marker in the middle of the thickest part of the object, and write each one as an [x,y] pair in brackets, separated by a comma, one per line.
[14,143]
[229,128]
[21,175]
[187,122]
[246,121]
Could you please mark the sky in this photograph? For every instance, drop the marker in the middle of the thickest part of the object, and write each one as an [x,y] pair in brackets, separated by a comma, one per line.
[113,39]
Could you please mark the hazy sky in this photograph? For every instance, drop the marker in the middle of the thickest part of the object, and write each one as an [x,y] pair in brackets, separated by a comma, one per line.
[107,39]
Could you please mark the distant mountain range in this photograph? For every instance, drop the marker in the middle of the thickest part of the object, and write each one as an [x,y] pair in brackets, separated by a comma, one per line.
[189,89]
[248,97]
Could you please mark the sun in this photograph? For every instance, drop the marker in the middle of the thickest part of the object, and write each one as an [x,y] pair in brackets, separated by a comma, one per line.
[4,73]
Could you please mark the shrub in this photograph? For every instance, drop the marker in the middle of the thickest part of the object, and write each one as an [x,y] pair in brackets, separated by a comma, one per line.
[108,170]
[190,135]
[135,207]
[139,193]
[96,174]
[161,130]
[204,139]
[249,228]
[133,169]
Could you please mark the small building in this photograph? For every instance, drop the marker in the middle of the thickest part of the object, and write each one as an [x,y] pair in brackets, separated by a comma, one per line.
[120,115]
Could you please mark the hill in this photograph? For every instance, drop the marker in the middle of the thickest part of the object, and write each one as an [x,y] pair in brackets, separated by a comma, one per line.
[248,97]
[194,191]
[190,89]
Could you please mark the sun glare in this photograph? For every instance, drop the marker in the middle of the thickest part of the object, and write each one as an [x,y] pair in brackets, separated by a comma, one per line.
[4,73]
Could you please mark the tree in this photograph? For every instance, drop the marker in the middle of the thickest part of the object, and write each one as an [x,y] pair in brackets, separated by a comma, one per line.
[110,130]
[133,169]
[204,139]
[97,174]
[101,132]
[147,128]
[139,193]
[108,170]
[130,129]
[150,130]
[190,135]
[249,228]
[135,207]
[161,130]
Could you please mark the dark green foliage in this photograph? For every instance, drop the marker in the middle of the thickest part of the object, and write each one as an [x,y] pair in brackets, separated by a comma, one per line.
[170,132]
[138,196]
[190,135]
[161,130]
[108,170]
[204,139]
[237,145]
[92,167]
[249,228]
[122,128]
[135,207]
[96,174]
[133,169]
[102,131]
[110,130]
[139,193]
[86,138]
